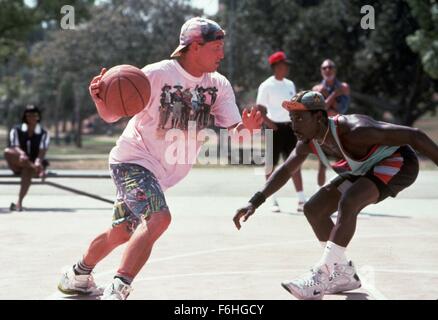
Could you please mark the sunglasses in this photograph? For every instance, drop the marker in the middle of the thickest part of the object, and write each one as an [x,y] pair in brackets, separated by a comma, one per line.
[327,67]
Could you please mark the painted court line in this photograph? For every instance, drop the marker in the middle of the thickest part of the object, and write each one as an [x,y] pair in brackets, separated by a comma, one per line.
[219,273]
[370,287]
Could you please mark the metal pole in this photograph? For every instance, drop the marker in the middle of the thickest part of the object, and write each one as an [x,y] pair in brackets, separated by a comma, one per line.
[83,193]
[230,38]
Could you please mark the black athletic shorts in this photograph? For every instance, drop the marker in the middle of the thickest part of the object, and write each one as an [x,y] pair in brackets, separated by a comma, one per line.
[284,141]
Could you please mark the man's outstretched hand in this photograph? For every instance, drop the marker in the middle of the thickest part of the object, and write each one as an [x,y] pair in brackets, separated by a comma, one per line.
[244,213]
[252,119]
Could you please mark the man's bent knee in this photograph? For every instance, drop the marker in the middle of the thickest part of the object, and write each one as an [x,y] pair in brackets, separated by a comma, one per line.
[121,233]
[157,222]
[12,157]
[311,211]
[163,218]
[348,207]
[27,172]
[9,151]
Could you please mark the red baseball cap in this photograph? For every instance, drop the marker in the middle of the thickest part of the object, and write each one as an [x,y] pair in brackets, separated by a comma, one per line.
[278,56]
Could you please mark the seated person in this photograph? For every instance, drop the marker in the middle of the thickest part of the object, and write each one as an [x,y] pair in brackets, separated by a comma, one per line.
[28,144]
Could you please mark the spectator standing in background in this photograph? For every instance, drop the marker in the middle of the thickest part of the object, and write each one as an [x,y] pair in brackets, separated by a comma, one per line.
[337,100]
[271,94]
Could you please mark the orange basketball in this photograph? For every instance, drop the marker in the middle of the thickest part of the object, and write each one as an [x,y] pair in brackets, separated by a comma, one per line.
[125,89]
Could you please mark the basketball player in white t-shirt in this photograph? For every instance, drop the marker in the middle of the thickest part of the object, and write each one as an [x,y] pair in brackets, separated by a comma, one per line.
[139,166]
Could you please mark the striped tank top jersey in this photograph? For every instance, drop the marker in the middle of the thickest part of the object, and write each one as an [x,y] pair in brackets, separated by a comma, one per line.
[19,137]
[384,170]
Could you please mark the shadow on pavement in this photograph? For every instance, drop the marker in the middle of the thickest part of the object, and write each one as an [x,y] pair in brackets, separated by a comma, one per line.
[355,295]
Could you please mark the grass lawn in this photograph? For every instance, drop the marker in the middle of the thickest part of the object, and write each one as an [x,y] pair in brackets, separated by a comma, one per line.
[91,144]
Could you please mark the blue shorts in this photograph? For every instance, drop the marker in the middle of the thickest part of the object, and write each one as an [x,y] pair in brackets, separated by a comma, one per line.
[138,194]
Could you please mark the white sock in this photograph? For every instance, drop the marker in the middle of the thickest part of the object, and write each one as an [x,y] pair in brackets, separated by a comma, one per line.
[274,201]
[323,243]
[332,254]
[301,196]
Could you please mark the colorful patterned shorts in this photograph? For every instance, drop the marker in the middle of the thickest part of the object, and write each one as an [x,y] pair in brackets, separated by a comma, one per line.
[138,194]
[391,175]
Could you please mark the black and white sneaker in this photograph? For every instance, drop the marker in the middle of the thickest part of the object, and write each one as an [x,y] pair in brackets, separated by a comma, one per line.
[311,286]
[343,278]
[117,290]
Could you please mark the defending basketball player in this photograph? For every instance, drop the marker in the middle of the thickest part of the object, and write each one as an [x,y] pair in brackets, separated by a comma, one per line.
[375,160]
[186,88]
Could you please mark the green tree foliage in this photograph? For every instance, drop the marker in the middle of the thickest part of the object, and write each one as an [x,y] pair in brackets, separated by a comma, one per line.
[391,68]
[425,40]
[16,21]
[21,27]
[383,71]
[118,32]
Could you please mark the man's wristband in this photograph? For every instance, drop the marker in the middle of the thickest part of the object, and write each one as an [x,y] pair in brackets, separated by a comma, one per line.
[257,199]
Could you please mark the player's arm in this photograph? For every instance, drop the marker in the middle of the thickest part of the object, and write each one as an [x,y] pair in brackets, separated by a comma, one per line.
[275,182]
[282,175]
[395,135]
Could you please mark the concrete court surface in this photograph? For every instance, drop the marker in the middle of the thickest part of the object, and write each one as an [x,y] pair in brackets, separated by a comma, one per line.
[202,255]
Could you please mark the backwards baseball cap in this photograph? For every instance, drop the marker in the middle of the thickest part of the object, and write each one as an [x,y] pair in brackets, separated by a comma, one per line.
[278,56]
[198,30]
[305,101]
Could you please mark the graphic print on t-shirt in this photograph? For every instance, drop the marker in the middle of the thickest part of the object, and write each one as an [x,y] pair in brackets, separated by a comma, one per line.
[179,105]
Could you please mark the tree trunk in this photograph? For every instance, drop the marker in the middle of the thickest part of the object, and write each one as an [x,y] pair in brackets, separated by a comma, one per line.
[77,116]
[56,116]
[412,99]
[64,125]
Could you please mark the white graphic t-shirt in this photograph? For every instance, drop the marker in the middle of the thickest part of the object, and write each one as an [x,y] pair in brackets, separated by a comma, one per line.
[272,93]
[178,102]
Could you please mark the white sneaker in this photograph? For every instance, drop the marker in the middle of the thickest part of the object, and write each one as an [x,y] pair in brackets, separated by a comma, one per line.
[312,286]
[275,207]
[343,278]
[118,290]
[72,283]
